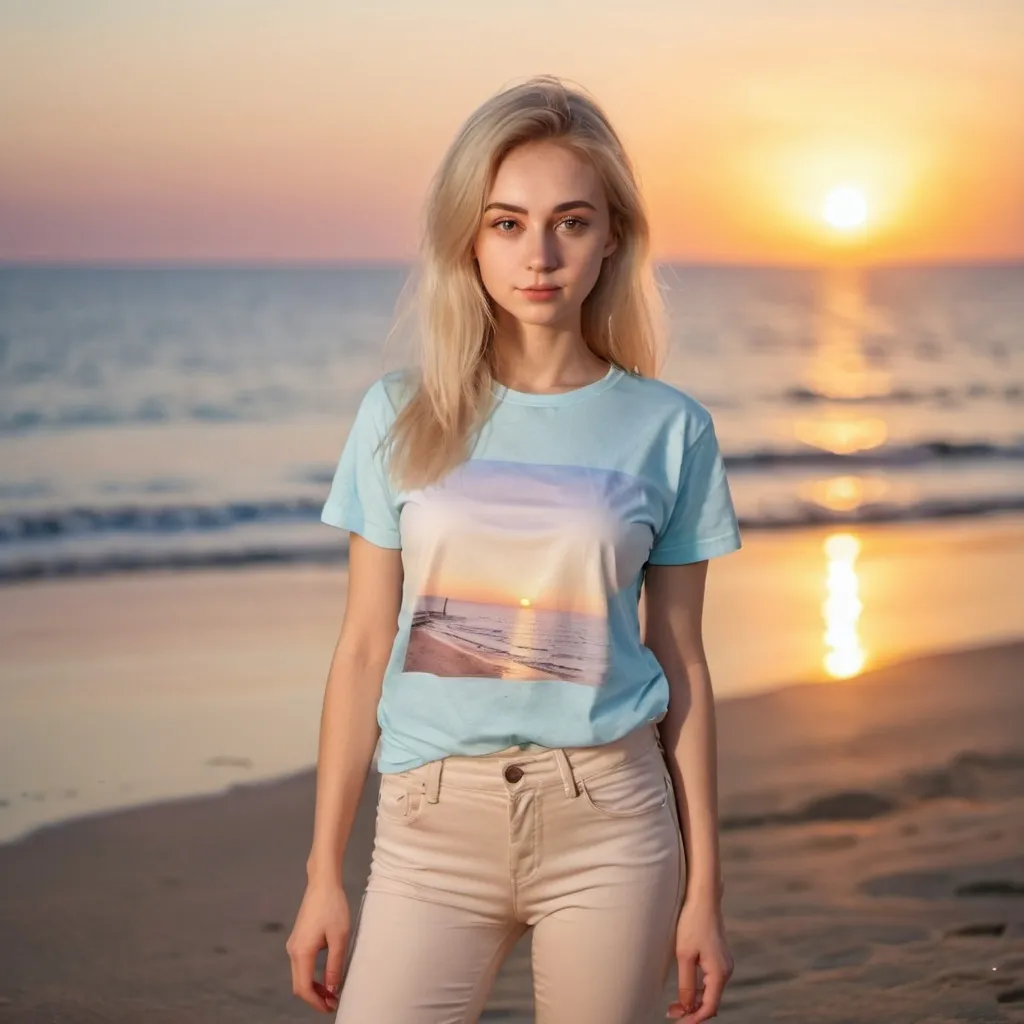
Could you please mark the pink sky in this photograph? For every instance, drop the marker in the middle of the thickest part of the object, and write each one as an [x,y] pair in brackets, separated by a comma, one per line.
[255,130]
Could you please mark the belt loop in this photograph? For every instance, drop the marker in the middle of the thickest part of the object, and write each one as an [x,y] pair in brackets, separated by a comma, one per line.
[434,780]
[565,768]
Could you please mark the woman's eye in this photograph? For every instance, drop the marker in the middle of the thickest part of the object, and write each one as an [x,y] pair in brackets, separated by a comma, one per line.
[574,224]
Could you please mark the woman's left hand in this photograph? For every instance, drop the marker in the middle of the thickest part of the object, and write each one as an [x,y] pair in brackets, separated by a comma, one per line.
[700,938]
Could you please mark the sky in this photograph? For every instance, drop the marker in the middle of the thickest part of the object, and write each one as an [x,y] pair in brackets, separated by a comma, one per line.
[256,130]
[512,549]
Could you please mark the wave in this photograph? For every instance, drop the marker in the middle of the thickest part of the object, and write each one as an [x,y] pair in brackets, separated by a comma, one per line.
[805,514]
[937,451]
[259,405]
[23,566]
[270,403]
[179,520]
[83,566]
[80,521]
[25,421]
[1012,393]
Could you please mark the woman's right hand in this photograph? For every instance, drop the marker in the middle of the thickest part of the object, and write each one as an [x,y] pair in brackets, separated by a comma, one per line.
[322,922]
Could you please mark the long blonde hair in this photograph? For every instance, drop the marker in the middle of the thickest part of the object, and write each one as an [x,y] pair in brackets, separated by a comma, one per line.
[450,396]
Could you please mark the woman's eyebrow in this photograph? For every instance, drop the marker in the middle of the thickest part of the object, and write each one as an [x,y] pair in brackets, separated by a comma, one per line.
[560,208]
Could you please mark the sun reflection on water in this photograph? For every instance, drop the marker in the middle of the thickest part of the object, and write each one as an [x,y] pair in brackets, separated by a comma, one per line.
[844,655]
[841,433]
[844,493]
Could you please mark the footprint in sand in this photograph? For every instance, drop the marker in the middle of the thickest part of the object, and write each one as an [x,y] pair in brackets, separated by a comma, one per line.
[981,930]
[920,885]
[855,805]
[737,854]
[771,978]
[826,842]
[991,887]
[852,956]
[225,761]
[961,979]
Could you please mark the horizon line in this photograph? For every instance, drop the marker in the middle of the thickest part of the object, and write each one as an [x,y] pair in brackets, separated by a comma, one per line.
[222,263]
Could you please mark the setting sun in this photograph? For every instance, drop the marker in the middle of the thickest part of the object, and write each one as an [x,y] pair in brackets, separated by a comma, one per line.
[525,602]
[845,208]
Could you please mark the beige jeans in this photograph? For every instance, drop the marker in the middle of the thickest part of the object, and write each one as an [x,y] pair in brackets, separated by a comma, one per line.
[580,844]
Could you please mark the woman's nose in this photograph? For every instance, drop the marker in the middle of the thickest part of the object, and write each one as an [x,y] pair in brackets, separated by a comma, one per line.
[543,252]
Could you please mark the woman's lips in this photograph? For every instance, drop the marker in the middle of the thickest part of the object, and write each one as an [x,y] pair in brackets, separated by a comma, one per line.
[539,293]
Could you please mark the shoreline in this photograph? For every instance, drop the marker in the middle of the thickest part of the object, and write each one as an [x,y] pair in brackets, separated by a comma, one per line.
[756,726]
[124,691]
[432,652]
[331,554]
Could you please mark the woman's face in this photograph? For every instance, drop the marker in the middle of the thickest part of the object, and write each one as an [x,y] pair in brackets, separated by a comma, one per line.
[545,222]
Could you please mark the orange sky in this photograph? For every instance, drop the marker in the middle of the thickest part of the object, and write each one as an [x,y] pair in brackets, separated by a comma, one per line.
[258,130]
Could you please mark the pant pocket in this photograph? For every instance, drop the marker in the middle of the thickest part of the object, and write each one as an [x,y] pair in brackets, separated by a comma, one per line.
[637,786]
[400,801]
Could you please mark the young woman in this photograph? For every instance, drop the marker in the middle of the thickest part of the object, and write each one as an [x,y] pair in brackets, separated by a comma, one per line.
[547,752]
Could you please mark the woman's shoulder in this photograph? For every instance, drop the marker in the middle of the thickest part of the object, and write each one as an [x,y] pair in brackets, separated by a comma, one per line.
[386,395]
[659,397]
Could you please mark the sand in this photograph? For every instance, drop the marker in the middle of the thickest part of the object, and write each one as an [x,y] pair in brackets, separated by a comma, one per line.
[428,652]
[873,851]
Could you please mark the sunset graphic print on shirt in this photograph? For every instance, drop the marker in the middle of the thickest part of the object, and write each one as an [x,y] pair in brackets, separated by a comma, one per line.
[512,566]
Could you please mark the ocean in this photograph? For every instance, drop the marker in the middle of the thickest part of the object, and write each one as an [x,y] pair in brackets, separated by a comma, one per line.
[189,417]
[520,643]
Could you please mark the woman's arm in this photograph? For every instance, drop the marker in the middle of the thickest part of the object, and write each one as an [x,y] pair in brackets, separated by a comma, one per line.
[348,724]
[673,609]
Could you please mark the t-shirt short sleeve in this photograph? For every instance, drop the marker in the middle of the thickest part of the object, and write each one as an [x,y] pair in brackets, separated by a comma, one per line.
[361,499]
[702,523]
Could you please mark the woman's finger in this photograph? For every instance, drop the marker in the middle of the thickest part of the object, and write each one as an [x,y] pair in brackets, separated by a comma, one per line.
[335,961]
[714,983]
[303,985]
[689,995]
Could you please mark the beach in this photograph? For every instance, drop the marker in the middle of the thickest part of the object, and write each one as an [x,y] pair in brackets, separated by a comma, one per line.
[872,827]
[429,652]
[894,896]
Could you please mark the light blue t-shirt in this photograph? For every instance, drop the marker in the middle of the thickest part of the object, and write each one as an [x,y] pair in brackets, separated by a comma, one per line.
[523,566]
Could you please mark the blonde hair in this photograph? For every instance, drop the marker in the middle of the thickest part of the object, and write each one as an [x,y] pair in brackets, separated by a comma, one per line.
[451,397]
